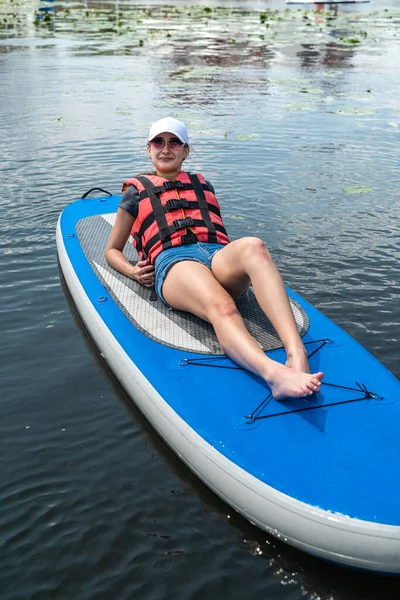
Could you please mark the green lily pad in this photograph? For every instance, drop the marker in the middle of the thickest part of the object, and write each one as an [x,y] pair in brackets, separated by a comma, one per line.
[200,73]
[355,111]
[355,189]
[350,40]
[250,136]
[294,107]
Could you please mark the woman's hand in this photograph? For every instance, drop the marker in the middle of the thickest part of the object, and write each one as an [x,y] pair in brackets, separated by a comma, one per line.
[144,273]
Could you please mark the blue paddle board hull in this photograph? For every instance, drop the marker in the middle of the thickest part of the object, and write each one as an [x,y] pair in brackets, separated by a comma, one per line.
[319,473]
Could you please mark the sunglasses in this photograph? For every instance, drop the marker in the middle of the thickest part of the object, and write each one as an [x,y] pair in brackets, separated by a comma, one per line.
[173,143]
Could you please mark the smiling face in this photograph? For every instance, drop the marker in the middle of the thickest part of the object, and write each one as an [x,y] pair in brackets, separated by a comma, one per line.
[167,154]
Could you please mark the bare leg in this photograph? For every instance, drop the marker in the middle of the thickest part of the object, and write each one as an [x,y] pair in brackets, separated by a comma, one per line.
[190,286]
[248,261]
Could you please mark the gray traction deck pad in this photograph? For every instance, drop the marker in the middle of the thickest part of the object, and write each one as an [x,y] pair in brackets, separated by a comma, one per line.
[172,328]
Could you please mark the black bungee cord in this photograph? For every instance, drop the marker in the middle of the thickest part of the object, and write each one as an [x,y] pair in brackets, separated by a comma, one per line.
[361,387]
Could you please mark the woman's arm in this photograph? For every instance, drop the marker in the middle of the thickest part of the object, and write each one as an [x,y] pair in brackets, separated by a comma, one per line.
[143,272]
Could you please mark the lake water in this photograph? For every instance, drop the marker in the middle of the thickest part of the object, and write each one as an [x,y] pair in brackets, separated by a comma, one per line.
[294,116]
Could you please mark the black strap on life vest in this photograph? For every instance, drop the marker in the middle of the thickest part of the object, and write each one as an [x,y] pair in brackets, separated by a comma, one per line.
[138,242]
[159,214]
[203,206]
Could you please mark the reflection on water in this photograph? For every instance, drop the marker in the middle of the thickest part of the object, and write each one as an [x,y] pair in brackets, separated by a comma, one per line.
[294,116]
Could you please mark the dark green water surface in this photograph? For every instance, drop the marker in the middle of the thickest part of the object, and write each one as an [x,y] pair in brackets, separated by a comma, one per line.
[294,116]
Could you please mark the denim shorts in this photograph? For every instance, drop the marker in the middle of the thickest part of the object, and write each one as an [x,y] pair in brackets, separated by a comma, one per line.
[199,252]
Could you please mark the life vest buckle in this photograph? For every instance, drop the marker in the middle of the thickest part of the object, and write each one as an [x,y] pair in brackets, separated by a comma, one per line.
[175,203]
[172,185]
[189,238]
[182,223]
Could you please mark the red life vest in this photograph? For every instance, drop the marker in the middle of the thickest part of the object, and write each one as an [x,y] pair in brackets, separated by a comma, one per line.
[172,213]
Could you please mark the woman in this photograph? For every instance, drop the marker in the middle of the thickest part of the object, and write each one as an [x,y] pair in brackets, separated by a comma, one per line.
[177,229]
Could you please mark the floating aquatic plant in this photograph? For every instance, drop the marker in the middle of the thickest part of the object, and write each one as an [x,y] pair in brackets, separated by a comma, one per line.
[250,136]
[350,110]
[200,73]
[354,189]
[350,40]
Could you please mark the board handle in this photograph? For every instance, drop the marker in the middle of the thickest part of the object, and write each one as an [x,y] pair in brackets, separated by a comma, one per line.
[86,194]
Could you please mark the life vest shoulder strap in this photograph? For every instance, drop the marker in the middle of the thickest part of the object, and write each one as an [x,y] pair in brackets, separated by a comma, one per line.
[158,210]
[203,206]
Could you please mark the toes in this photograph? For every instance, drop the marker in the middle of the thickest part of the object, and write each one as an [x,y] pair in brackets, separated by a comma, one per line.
[311,386]
[306,390]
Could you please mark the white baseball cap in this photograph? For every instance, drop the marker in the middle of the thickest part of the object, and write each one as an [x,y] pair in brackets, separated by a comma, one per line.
[169,125]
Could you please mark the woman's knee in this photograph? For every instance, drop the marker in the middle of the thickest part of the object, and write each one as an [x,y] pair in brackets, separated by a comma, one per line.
[254,247]
[221,309]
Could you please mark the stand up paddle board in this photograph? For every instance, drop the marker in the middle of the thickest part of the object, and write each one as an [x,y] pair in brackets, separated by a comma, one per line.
[320,473]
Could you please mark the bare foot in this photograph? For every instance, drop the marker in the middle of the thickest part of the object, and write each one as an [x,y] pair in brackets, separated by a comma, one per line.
[297,359]
[287,383]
